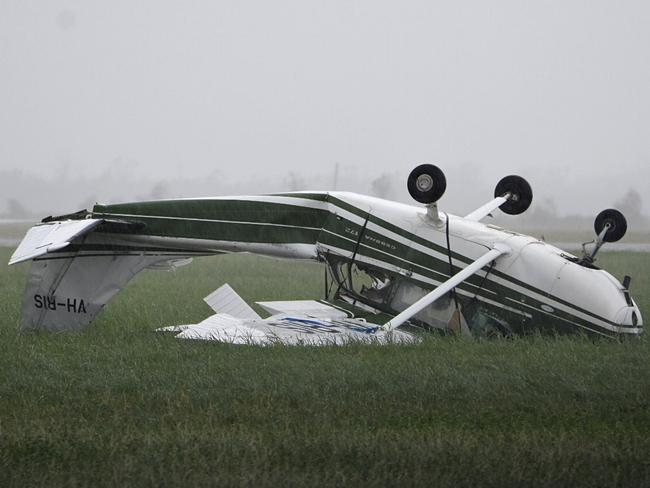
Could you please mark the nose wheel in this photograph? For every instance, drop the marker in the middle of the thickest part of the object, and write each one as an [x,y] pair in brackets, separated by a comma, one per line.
[610,226]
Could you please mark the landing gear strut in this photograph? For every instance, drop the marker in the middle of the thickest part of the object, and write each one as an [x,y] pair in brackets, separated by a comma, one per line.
[610,226]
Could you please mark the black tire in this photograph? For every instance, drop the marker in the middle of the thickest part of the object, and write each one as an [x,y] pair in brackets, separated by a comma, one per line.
[519,188]
[616,221]
[427,183]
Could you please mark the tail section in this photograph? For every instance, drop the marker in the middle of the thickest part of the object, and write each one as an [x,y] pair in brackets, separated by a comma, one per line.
[66,293]
[68,284]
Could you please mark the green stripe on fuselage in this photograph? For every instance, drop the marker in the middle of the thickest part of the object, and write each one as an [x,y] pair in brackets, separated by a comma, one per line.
[221,219]
[223,209]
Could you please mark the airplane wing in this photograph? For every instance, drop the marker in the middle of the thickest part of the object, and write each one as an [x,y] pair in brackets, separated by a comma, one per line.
[225,328]
[309,308]
[298,322]
[308,322]
[291,330]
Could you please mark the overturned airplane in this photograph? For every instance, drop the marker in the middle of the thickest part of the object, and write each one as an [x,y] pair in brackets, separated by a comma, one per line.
[388,264]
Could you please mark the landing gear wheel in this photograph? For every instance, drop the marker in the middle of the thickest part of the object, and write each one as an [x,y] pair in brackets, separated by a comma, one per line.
[616,221]
[427,183]
[521,194]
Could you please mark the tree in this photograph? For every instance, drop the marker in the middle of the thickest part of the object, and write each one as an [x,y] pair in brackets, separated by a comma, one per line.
[294,182]
[630,204]
[382,186]
[17,210]
[160,190]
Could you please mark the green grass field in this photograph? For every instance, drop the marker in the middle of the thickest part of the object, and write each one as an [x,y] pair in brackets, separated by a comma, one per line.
[121,405]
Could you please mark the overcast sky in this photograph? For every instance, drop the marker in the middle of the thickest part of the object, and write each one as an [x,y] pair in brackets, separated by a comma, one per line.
[558,91]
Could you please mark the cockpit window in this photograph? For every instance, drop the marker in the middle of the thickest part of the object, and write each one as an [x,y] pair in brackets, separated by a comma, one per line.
[387,292]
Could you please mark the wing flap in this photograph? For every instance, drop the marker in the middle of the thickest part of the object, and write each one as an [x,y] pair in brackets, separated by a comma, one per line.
[225,300]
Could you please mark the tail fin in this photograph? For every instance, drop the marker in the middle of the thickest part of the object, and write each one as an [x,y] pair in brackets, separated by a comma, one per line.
[68,286]
[66,293]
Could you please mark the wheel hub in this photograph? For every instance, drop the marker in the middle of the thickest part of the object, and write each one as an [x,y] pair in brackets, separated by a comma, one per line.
[424,182]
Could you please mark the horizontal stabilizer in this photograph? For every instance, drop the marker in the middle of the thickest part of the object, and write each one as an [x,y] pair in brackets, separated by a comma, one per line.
[226,300]
[50,237]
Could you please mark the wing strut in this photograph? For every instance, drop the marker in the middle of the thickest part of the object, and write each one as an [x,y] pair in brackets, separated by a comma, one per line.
[445,287]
